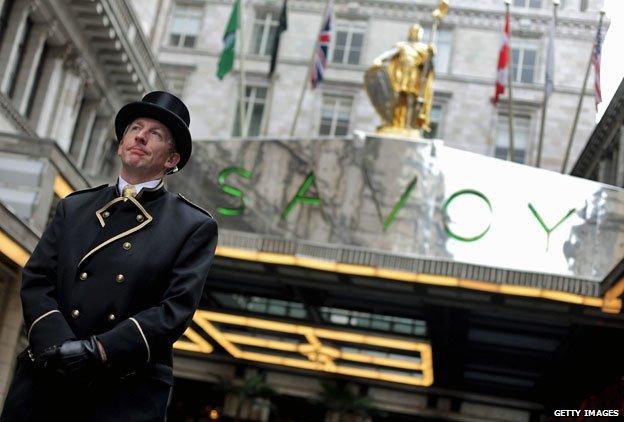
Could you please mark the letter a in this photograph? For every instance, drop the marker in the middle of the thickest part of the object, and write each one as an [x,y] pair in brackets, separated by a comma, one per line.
[299,196]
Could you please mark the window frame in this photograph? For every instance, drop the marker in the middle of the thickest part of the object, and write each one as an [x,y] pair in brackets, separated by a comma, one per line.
[182,10]
[518,114]
[440,106]
[451,34]
[527,4]
[253,85]
[352,26]
[522,46]
[270,22]
[336,112]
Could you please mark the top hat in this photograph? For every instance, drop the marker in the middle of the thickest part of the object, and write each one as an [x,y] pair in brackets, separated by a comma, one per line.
[167,109]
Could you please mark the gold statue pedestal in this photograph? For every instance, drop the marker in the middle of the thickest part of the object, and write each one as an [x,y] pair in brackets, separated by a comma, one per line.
[399,132]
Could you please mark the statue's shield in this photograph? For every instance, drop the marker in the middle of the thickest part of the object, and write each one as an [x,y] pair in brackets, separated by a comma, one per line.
[379,89]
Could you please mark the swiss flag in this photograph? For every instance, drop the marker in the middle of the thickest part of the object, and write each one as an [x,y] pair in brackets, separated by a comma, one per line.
[503,62]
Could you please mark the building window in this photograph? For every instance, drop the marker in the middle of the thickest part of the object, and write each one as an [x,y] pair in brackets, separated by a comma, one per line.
[178,76]
[255,100]
[185,26]
[436,116]
[531,4]
[442,58]
[264,30]
[584,5]
[524,64]
[521,131]
[407,326]
[348,43]
[335,115]
[262,305]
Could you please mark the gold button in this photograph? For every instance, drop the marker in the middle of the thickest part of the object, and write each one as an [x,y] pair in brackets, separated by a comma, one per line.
[75,313]
[83,276]
[127,245]
[140,218]
[105,214]
[120,278]
[111,317]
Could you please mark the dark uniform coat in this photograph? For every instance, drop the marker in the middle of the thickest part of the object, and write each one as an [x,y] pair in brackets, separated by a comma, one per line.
[130,271]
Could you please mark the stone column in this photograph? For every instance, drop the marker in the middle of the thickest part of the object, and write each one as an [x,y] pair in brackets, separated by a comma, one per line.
[83,129]
[27,72]
[9,50]
[68,106]
[47,95]
[100,135]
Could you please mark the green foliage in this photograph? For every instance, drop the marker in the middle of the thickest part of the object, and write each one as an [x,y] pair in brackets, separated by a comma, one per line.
[338,397]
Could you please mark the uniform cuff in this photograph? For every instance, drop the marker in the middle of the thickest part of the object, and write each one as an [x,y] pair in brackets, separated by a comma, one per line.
[49,330]
[125,346]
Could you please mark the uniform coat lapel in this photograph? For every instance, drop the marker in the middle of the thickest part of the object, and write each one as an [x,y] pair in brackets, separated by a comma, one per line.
[119,218]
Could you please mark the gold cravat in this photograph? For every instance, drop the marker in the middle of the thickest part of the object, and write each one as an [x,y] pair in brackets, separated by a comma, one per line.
[128,191]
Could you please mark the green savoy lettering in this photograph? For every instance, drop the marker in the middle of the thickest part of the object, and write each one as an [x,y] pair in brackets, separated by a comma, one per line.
[304,197]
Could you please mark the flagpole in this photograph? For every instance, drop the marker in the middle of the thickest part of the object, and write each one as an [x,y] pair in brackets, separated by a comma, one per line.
[580,104]
[241,105]
[269,102]
[551,48]
[510,151]
[282,26]
[307,77]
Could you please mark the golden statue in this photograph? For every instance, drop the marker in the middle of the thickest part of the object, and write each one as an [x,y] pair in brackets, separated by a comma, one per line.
[400,82]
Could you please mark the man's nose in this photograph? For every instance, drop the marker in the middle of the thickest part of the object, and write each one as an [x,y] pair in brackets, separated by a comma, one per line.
[142,136]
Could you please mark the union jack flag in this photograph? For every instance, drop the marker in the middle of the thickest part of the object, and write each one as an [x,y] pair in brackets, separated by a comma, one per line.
[597,52]
[319,64]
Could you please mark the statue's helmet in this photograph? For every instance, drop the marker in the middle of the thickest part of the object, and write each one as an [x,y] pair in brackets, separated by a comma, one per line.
[415,33]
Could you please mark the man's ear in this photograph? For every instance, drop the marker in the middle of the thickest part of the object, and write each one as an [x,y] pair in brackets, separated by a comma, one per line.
[172,161]
[119,147]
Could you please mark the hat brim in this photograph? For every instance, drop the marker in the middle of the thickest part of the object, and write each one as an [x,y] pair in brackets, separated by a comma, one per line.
[181,135]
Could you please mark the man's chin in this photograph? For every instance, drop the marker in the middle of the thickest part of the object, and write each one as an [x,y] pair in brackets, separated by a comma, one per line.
[135,160]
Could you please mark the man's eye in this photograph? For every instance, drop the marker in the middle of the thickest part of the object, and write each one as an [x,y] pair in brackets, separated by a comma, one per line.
[135,128]
[156,134]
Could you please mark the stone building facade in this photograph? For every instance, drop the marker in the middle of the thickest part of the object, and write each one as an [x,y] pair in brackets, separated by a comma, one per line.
[187,36]
[65,68]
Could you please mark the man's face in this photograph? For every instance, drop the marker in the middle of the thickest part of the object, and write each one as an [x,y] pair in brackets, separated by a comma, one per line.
[146,148]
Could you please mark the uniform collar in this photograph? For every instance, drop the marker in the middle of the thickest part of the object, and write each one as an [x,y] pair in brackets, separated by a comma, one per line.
[145,190]
[121,183]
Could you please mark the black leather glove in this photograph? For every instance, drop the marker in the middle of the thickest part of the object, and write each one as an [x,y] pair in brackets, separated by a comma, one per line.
[46,359]
[79,359]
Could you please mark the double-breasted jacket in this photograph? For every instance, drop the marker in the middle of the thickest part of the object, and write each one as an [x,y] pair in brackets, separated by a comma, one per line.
[128,270]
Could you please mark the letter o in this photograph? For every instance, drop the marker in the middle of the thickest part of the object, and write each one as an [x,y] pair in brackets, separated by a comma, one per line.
[445,212]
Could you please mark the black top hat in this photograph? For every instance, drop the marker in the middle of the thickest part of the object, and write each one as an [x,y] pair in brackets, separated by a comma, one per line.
[167,109]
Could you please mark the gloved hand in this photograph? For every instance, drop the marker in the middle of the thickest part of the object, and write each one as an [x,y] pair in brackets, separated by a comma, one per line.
[46,359]
[79,359]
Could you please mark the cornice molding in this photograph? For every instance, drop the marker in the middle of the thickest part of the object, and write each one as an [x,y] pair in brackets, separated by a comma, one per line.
[602,136]
[523,20]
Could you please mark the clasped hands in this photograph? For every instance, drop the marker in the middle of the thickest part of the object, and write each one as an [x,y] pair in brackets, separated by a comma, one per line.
[77,359]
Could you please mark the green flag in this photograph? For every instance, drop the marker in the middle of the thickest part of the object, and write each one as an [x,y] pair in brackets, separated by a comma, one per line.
[226,59]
